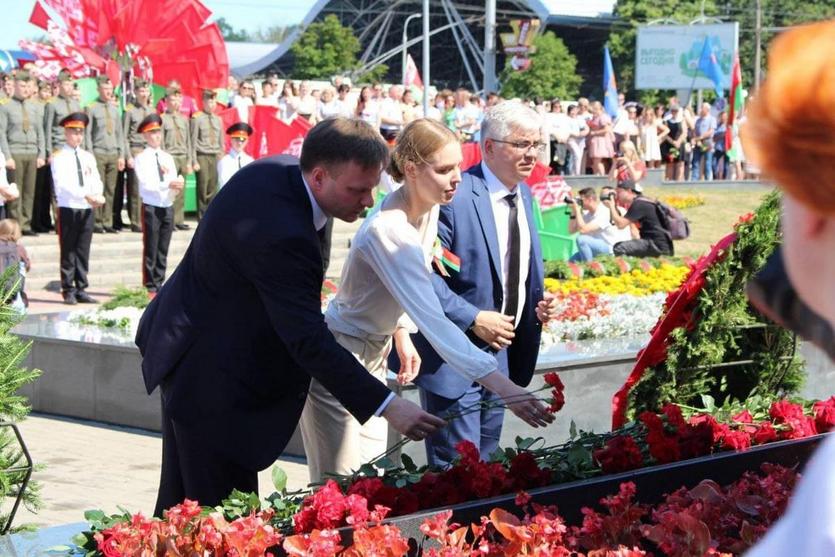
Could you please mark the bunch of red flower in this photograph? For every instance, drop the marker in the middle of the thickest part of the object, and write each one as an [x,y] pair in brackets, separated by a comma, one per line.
[557,392]
[185,530]
[578,304]
[329,508]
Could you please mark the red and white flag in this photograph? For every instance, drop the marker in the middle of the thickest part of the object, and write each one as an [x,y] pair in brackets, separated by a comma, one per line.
[411,76]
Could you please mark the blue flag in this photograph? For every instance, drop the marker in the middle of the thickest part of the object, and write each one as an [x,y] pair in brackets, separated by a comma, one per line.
[610,87]
[709,65]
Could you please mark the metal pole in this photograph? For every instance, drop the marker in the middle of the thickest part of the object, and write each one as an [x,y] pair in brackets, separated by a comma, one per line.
[426,79]
[490,47]
[404,42]
[758,30]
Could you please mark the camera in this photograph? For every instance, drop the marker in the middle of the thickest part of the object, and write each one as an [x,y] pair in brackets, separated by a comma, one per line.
[610,195]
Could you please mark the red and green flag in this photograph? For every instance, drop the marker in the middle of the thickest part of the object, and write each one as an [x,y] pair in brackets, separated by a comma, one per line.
[736,102]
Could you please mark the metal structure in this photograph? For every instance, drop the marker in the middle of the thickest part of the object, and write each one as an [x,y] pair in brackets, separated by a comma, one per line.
[456,28]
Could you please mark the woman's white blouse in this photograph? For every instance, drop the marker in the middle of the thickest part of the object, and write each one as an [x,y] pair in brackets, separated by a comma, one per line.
[388,271]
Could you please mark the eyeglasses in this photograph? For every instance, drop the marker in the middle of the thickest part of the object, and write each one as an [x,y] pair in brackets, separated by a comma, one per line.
[523,146]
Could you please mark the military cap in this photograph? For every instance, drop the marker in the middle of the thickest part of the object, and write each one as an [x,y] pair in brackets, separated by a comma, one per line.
[64,75]
[209,94]
[241,130]
[103,80]
[77,120]
[139,83]
[22,75]
[152,122]
[172,90]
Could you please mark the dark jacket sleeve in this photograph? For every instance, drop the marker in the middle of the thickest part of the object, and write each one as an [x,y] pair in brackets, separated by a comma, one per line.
[283,270]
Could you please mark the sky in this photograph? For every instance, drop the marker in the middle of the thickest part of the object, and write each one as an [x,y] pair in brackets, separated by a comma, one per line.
[241,14]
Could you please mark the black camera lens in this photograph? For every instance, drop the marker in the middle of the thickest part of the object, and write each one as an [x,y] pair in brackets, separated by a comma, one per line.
[567,199]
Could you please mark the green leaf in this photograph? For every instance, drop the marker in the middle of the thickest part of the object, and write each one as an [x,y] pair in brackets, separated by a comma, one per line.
[408,463]
[572,430]
[279,477]
[525,444]
[709,404]
[94,515]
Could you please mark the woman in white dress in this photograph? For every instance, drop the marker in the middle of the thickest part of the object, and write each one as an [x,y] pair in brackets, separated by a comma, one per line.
[651,134]
[386,292]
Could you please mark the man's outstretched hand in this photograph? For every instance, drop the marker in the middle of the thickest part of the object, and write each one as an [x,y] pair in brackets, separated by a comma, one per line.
[409,419]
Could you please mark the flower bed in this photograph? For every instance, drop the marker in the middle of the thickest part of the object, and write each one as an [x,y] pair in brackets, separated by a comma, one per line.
[683,201]
[637,282]
[583,315]
[609,266]
[671,436]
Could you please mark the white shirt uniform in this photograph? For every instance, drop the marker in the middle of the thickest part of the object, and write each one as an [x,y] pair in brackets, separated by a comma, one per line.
[152,189]
[229,164]
[68,191]
[386,284]
[501,214]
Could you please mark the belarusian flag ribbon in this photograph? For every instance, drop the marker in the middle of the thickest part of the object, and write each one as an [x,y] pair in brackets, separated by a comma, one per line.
[444,259]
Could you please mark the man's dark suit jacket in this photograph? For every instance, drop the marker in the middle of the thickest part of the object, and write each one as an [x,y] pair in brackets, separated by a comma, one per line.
[237,332]
[467,228]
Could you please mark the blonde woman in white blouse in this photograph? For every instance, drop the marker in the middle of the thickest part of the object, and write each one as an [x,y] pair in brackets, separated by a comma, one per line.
[386,292]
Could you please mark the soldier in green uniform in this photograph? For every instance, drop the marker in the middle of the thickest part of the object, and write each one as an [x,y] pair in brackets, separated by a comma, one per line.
[176,140]
[207,148]
[61,106]
[105,139]
[133,116]
[22,143]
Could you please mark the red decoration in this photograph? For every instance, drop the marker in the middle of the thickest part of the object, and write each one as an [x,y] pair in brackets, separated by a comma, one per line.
[158,40]
[677,314]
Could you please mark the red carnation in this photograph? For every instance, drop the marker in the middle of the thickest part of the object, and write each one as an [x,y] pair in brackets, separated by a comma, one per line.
[553,380]
[825,415]
[765,434]
[620,454]
[783,411]
[736,440]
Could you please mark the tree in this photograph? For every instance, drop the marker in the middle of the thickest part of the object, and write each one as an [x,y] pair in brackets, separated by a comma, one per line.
[230,33]
[326,48]
[552,72]
[272,34]
[776,13]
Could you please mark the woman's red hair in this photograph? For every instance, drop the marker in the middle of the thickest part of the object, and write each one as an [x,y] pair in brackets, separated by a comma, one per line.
[790,129]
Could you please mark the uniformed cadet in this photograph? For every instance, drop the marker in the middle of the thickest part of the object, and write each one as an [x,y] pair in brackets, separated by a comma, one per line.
[41,217]
[133,116]
[78,188]
[105,139]
[207,148]
[22,143]
[61,106]
[236,158]
[159,184]
[176,141]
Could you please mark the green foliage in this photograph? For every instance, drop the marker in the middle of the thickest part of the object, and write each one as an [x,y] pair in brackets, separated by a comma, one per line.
[326,48]
[552,72]
[127,297]
[13,408]
[731,352]
[776,13]
[377,73]
[230,33]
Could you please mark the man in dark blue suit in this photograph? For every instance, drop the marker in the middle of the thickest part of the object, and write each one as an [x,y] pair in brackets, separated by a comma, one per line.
[234,336]
[498,294]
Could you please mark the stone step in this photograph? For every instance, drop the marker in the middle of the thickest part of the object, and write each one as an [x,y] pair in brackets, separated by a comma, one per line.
[115,259]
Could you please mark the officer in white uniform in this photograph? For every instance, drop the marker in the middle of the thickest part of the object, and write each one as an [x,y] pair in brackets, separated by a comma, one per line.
[159,185]
[236,158]
[79,190]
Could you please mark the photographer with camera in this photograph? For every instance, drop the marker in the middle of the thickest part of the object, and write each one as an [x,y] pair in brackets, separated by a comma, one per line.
[643,213]
[593,221]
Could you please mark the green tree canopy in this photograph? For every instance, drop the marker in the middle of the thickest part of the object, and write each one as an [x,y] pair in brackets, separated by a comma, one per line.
[324,49]
[552,72]
[230,33]
[776,14]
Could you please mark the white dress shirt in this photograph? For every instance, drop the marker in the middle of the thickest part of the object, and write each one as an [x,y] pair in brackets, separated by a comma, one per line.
[387,274]
[69,193]
[391,110]
[152,190]
[229,164]
[501,214]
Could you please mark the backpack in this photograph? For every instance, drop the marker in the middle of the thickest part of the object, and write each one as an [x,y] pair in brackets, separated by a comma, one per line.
[675,224]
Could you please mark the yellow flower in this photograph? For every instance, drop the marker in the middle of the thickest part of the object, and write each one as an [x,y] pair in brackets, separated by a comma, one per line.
[637,282]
